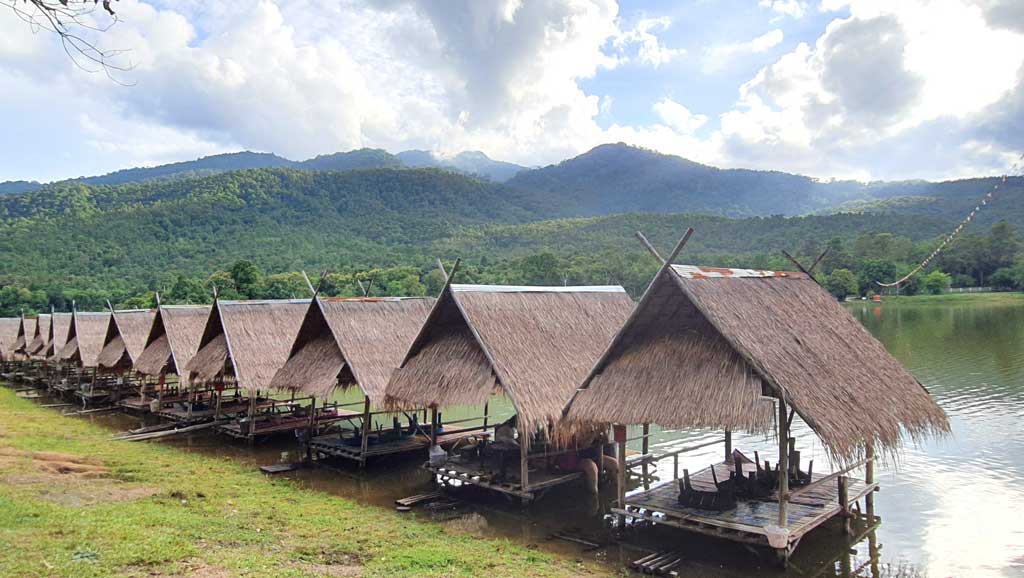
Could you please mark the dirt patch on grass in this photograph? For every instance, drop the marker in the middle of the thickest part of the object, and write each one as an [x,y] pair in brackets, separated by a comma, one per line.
[332,570]
[67,479]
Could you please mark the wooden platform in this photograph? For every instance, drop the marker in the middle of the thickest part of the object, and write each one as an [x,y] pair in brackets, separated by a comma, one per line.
[750,519]
[228,409]
[335,446]
[275,424]
[487,475]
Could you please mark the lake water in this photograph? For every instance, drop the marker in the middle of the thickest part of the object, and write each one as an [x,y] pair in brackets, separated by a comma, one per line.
[950,507]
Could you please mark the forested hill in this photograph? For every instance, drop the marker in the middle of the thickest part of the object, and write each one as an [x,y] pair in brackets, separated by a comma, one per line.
[618,178]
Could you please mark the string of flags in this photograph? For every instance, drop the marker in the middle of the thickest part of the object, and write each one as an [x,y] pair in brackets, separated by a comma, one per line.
[952,236]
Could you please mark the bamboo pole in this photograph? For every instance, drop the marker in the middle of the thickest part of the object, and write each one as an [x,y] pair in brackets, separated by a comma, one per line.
[645,446]
[783,463]
[620,482]
[366,432]
[728,446]
[869,478]
[844,503]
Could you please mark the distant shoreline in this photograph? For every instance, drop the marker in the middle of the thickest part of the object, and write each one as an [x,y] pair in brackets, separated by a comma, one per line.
[991,298]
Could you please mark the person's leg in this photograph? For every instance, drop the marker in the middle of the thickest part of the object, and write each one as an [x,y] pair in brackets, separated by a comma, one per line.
[611,467]
[589,469]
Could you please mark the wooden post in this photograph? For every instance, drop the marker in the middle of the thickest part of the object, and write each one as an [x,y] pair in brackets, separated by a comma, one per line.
[644,447]
[783,463]
[433,426]
[366,432]
[312,427]
[620,482]
[485,409]
[252,416]
[524,462]
[844,503]
[728,446]
[869,478]
[675,467]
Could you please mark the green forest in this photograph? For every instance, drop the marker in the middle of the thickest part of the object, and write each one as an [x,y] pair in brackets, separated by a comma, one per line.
[251,232]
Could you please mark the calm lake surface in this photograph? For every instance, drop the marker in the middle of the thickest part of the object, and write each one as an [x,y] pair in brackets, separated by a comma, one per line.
[949,507]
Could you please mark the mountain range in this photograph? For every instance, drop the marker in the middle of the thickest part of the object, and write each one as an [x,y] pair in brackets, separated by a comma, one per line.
[369,208]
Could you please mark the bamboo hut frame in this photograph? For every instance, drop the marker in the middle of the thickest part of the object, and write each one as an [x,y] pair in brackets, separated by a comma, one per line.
[530,343]
[761,336]
[78,356]
[60,325]
[9,328]
[172,341]
[354,342]
[123,343]
[19,369]
[244,344]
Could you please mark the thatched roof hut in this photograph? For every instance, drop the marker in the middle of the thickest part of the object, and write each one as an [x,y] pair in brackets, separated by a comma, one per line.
[40,340]
[26,331]
[60,325]
[9,328]
[173,339]
[705,345]
[248,339]
[344,342]
[85,338]
[126,336]
[532,343]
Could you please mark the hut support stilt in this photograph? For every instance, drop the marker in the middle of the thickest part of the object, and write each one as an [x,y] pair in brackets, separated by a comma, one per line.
[312,428]
[645,446]
[433,426]
[728,446]
[620,482]
[366,432]
[524,465]
[869,478]
[844,503]
[783,463]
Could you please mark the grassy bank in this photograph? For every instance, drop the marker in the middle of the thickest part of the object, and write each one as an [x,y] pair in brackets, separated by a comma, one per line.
[73,503]
[999,298]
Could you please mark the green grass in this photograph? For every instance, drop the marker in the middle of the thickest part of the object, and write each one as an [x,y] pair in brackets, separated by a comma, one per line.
[998,298]
[212,516]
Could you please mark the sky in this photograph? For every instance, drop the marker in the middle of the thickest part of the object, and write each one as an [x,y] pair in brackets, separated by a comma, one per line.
[864,89]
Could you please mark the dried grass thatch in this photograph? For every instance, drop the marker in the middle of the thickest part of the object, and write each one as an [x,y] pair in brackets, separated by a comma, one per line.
[257,338]
[126,335]
[173,339]
[368,335]
[60,326]
[42,335]
[9,327]
[782,328]
[26,331]
[535,343]
[85,338]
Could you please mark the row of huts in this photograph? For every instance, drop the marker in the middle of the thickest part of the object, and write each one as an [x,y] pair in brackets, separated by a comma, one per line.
[705,348]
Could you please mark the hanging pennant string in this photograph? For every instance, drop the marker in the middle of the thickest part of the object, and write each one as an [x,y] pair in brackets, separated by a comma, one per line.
[1014,171]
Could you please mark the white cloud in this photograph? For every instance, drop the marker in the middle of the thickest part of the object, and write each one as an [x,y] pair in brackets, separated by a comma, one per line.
[678,116]
[793,8]
[649,48]
[907,89]
[718,57]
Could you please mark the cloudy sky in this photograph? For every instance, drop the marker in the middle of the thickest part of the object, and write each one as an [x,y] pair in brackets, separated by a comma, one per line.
[832,88]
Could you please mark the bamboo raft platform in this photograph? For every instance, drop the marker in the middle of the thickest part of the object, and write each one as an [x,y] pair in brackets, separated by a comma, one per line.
[487,475]
[750,520]
[268,425]
[233,408]
[334,445]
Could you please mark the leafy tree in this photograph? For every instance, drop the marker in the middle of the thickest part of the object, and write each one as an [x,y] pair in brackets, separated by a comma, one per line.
[248,279]
[841,283]
[873,271]
[285,286]
[936,282]
[187,290]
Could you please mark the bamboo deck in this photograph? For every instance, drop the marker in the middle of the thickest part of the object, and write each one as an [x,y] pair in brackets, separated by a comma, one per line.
[276,424]
[230,408]
[487,475]
[749,520]
[335,446]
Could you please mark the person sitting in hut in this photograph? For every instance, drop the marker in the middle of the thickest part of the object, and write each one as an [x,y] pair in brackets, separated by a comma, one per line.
[593,450]
[505,443]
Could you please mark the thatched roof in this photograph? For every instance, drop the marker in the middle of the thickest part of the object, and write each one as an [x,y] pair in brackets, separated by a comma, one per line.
[26,331]
[40,340]
[126,335]
[173,339]
[368,336]
[85,338]
[60,325]
[9,328]
[704,339]
[533,343]
[251,339]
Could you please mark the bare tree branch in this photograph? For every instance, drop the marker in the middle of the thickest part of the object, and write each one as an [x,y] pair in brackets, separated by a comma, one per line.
[72,21]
